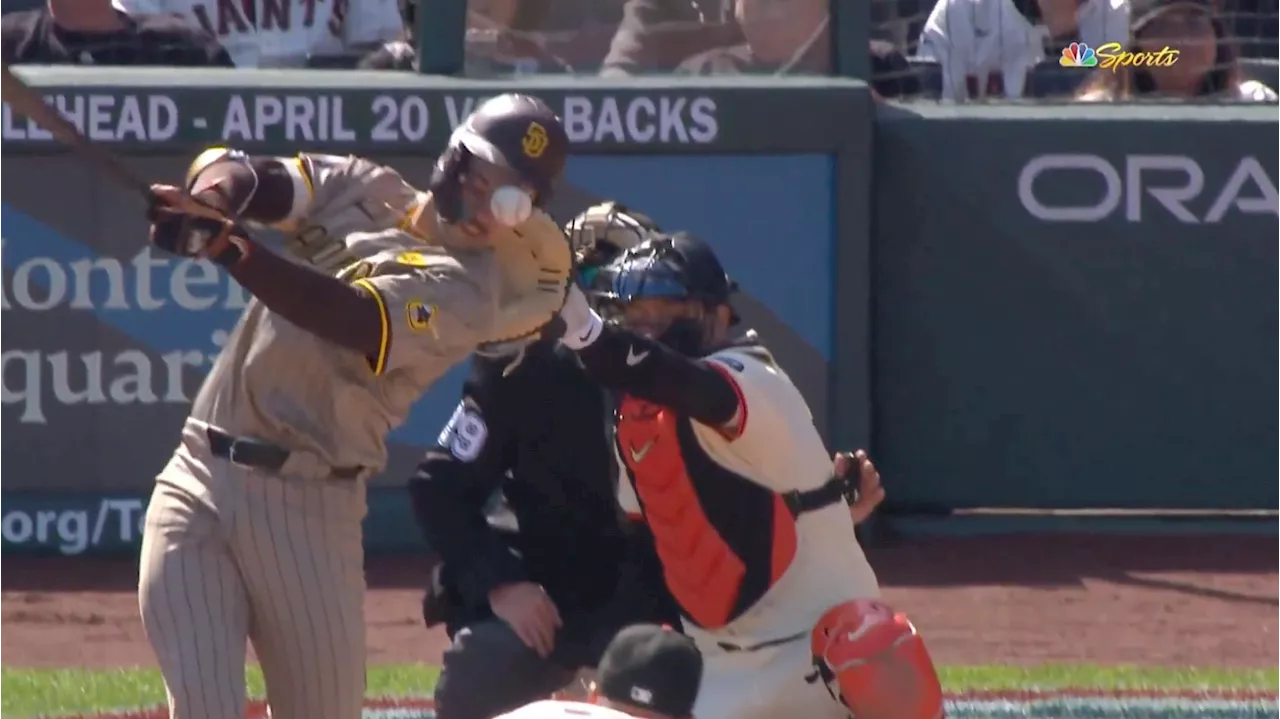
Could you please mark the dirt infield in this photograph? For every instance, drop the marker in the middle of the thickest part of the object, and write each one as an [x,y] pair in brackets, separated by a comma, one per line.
[1172,601]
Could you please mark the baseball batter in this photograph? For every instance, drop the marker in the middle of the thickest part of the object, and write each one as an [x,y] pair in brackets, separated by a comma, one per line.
[253,532]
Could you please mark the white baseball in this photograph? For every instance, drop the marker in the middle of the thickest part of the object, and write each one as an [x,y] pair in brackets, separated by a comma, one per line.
[510,205]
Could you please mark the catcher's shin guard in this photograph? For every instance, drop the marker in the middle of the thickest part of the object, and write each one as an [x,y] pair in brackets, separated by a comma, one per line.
[874,662]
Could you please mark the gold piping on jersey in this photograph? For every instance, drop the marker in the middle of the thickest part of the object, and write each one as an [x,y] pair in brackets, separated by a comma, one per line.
[409,218]
[380,363]
[203,160]
[306,175]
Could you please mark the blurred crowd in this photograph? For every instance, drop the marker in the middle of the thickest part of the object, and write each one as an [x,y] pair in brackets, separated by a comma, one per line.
[956,50]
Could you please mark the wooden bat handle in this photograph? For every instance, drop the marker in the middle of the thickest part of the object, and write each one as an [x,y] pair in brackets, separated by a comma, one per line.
[23,99]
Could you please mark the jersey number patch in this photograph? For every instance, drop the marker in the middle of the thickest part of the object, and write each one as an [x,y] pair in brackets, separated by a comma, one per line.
[465,433]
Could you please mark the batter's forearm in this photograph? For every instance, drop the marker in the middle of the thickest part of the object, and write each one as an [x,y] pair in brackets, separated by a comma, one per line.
[622,360]
[323,305]
[261,189]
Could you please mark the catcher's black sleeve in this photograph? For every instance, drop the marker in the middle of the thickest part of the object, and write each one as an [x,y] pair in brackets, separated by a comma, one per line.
[622,360]
[455,481]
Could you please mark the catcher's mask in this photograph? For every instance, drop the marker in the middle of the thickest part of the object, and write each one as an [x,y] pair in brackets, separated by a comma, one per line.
[598,236]
[685,278]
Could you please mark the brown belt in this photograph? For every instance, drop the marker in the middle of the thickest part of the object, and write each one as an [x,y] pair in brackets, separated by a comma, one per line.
[254,453]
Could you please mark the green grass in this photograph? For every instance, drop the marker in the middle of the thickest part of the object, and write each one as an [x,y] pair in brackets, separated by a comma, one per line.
[1104,677]
[53,692]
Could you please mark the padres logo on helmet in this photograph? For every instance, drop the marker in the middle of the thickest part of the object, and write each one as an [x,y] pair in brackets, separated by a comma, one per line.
[535,140]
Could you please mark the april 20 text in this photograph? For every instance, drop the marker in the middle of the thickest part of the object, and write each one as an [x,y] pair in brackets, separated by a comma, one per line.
[206,117]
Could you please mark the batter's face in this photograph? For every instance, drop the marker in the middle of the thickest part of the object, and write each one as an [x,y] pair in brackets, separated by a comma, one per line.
[478,183]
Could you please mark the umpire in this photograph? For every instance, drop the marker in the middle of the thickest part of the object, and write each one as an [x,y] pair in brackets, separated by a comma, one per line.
[528,610]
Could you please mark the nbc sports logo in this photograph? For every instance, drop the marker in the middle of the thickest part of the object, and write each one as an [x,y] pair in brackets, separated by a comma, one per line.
[1078,54]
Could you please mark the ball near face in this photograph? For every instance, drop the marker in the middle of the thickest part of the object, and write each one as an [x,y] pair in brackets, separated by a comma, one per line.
[510,205]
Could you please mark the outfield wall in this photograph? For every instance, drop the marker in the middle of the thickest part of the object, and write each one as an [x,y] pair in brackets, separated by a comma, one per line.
[1044,307]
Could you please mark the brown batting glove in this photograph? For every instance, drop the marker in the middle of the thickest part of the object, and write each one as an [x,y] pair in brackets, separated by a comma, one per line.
[189,227]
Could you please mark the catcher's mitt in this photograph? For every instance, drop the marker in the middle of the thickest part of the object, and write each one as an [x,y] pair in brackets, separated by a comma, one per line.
[535,265]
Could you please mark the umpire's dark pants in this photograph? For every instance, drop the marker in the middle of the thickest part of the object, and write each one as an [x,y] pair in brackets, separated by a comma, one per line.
[488,670]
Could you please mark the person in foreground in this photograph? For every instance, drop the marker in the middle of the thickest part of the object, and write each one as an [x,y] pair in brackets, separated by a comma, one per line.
[754,533]
[253,532]
[535,605]
[647,672]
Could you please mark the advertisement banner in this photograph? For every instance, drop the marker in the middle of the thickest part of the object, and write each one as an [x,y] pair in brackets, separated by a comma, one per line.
[1082,316]
[339,112]
[69,524]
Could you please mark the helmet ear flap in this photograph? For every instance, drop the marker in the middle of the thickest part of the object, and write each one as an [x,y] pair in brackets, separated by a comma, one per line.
[446,181]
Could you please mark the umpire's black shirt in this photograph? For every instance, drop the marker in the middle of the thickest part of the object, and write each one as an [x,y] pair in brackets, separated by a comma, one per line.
[539,433]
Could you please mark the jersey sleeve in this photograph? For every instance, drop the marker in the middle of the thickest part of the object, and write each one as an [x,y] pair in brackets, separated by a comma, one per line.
[426,316]
[948,38]
[332,197]
[325,185]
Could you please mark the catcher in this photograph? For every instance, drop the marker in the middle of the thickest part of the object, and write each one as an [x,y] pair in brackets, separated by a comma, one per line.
[253,533]
[753,530]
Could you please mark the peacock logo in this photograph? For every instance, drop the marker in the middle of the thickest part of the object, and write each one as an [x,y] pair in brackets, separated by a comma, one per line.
[1078,54]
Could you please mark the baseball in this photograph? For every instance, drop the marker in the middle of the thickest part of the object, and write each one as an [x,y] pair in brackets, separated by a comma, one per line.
[510,205]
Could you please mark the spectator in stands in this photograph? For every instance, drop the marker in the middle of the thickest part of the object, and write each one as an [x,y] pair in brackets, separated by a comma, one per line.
[1207,66]
[498,41]
[987,47]
[656,35]
[92,32]
[891,74]
[401,52]
[285,33]
[782,38]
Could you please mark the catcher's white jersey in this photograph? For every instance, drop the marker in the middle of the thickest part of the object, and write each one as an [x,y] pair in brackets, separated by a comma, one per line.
[551,709]
[812,563]
[282,33]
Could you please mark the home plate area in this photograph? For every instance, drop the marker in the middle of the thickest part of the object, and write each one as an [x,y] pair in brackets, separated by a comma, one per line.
[988,705]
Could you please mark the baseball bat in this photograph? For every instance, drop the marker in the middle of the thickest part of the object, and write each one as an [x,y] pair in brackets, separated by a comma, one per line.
[23,99]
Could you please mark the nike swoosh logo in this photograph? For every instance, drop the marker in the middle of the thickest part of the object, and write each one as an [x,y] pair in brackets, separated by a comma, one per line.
[638,455]
[634,359]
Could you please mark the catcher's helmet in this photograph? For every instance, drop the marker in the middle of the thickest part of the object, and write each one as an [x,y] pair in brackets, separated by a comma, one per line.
[678,266]
[512,130]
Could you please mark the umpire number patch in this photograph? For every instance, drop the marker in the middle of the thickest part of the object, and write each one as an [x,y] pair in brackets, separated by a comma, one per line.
[465,433]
